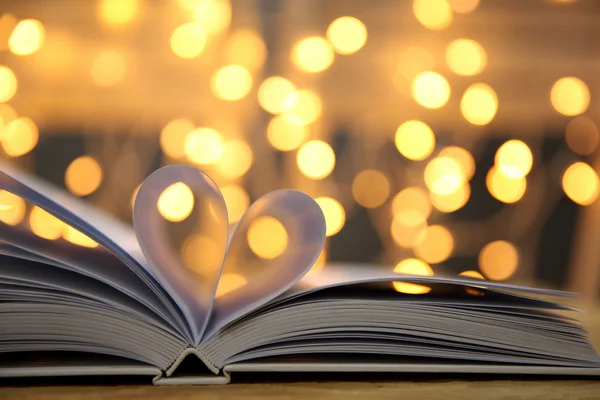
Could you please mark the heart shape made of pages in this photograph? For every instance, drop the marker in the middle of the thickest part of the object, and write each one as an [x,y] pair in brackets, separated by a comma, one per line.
[181,222]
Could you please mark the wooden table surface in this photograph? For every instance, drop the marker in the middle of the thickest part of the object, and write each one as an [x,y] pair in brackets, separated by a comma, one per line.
[434,387]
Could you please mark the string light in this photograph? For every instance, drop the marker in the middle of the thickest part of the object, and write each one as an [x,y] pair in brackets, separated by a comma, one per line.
[83,176]
[12,208]
[514,159]
[570,96]
[433,14]
[20,137]
[443,175]
[412,266]
[267,237]
[580,183]
[505,188]
[108,68]
[173,136]
[370,188]
[27,37]
[176,202]
[466,57]
[188,40]
[451,202]
[304,106]
[285,133]
[117,13]
[236,159]
[203,146]
[347,35]
[237,201]
[273,92]
[434,244]
[462,157]
[44,224]
[479,104]
[582,135]
[312,54]
[246,48]
[316,159]
[430,89]
[334,213]
[8,84]
[231,83]
[415,140]
[498,260]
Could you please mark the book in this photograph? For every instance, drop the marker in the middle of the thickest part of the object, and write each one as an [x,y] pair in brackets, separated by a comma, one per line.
[84,294]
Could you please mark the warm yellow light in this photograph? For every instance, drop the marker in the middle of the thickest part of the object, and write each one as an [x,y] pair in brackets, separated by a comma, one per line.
[451,202]
[370,188]
[7,24]
[498,260]
[580,183]
[8,84]
[12,208]
[412,266]
[312,54]
[415,140]
[503,187]
[213,15]
[434,244]
[118,12]
[201,254]
[27,37]
[443,175]
[334,213]
[231,83]
[347,35]
[267,237]
[74,236]
[412,198]
[570,96]
[236,159]
[229,283]
[7,115]
[273,92]
[466,57]
[188,40]
[108,68]
[472,274]
[430,89]
[316,159]
[461,156]
[237,202]
[582,135]
[203,146]
[433,14]
[415,60]
[304,106]
[173,135]
[406,226]
[176,202]
[463,6]
[83,176]
[134,195]
[479,104]
[514,159]
[285,134]
[44,224]
[246,48]
[20,137]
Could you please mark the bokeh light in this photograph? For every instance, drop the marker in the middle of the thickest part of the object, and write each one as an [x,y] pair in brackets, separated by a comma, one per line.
[228,283]
[236,159]
[108,68]
[444,175]
[466,57]
[463,6]
[451,202]
[72,235]
[570,96]
[213,15]
[505,188]
[412,198]
[203,146]
[430,89]
[117,13]
[27,37]
[176,202]
[580,183]
[231,83]
[83,176]
[237,201]
[201,254]
[412,266]
[173,136]
[285,133]
[267,237]
[20,137]
[472,274]
[415,140]
[304,106]
[370,188]
[12,208]
[462,157]
[347,35]
[406,226]
[44,224]
[433,14]
[188,40]
[434,244]
[246,48]
[334,213]
[479,104]
[273,92]
[582,135]
[316,159]
[498,260]
[8,84]
[312,54]
[514,159]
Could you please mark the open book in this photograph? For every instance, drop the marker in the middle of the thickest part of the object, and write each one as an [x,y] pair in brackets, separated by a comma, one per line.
[83,294]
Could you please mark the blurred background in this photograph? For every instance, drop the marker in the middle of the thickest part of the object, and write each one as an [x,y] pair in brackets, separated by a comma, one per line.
[438,136]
